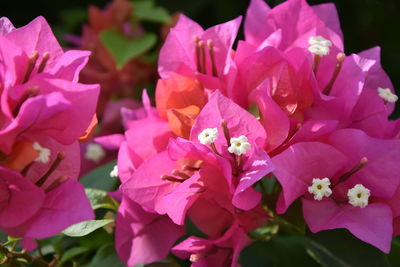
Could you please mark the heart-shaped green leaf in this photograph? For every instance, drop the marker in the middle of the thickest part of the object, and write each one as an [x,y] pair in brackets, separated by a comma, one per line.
[123,49]
[146,10]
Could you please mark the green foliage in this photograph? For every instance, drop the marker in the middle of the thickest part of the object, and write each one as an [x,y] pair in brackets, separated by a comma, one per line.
[100,178]
[339,248]
[105,257]
[100,199]
[123,49]
[86,227]
[394,256]
[147,11]
[72,252]
[281,251]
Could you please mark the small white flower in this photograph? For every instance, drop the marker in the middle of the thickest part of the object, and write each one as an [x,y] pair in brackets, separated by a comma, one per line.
[44,153]
[239,145]
[319,50]
[94,152]
[208,136]
[320,41]
[319,45]
[387,95]
[358,196]
[114,172]
[320,188]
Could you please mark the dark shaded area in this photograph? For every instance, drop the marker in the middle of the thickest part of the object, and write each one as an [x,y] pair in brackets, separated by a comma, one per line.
[365,23]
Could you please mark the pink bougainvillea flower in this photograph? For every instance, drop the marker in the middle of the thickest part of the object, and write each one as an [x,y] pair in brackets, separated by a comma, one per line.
[40,95]
[14,198]
[44,111]
[143,237]
[371,112]
[189,49]
[296,20]
[338,103]
[59,197]
[345,183]
[146,135]
[191,175]
[223,251]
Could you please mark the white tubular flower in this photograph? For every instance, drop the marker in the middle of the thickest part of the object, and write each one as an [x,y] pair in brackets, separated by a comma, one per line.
[319,45]
[114,172]
[387,95]
[94,152]
[44,153]
[319,50]
[358,196]
[320,188]
[313,40]
[239,145]
[208,136]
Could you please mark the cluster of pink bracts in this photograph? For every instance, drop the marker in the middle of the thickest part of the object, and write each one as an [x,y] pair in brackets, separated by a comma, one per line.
[44,111]
[321,129]
[287,102]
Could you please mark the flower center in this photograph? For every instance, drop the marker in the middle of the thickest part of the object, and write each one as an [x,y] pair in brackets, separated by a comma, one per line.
[359,196]
[239,145]
[208,136]
[320,188]
[201,55]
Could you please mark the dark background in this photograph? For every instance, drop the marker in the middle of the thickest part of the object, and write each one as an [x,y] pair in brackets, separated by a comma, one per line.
[365,23]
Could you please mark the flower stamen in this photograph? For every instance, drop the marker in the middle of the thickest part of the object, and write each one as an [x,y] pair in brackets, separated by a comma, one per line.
[31,65]
[29,93]
[356,168]
[42,65]
[340,57]
[210,45]
[180,174]
[60,157]
[171,178]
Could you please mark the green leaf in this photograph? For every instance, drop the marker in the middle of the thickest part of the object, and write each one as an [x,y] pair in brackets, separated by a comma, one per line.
[394,256]
[86,227]
[100,178]
[106,257]
[100,199]
[11,239]
[96,240]
[339,248]
[281,251]
[72,252]
[146,10]
[123,49]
